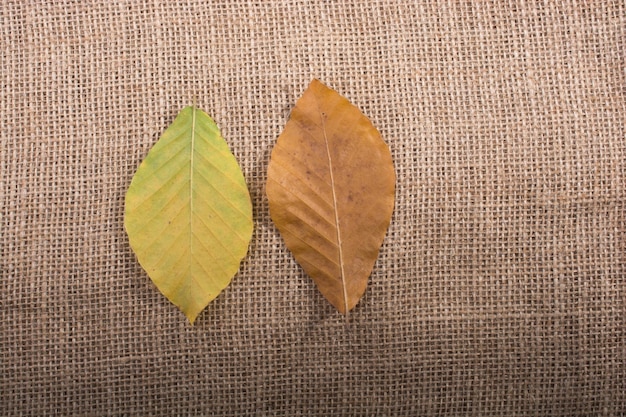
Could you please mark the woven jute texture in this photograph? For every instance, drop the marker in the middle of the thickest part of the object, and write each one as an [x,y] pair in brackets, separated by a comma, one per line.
[500,288]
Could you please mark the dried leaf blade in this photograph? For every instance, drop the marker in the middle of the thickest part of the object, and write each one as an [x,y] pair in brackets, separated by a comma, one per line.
[331,187]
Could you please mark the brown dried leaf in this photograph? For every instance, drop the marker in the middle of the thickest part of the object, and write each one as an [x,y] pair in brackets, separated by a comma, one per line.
[331,186]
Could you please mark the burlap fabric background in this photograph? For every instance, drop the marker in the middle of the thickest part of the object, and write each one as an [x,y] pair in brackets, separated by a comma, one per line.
[500,288]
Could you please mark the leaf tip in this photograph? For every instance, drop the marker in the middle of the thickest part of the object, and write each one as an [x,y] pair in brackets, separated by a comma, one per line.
[316,83]
[191,317]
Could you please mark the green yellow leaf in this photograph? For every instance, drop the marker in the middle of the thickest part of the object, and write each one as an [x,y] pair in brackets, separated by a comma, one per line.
[331,188]
[188,213]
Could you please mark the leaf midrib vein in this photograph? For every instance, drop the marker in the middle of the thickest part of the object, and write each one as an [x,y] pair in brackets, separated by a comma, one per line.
[332,182]
[191,160]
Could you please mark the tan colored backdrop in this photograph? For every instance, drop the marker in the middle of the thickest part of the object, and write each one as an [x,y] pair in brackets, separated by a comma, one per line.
[500,288]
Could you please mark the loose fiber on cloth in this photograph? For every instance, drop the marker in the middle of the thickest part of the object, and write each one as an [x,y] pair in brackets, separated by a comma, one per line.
[500,289]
